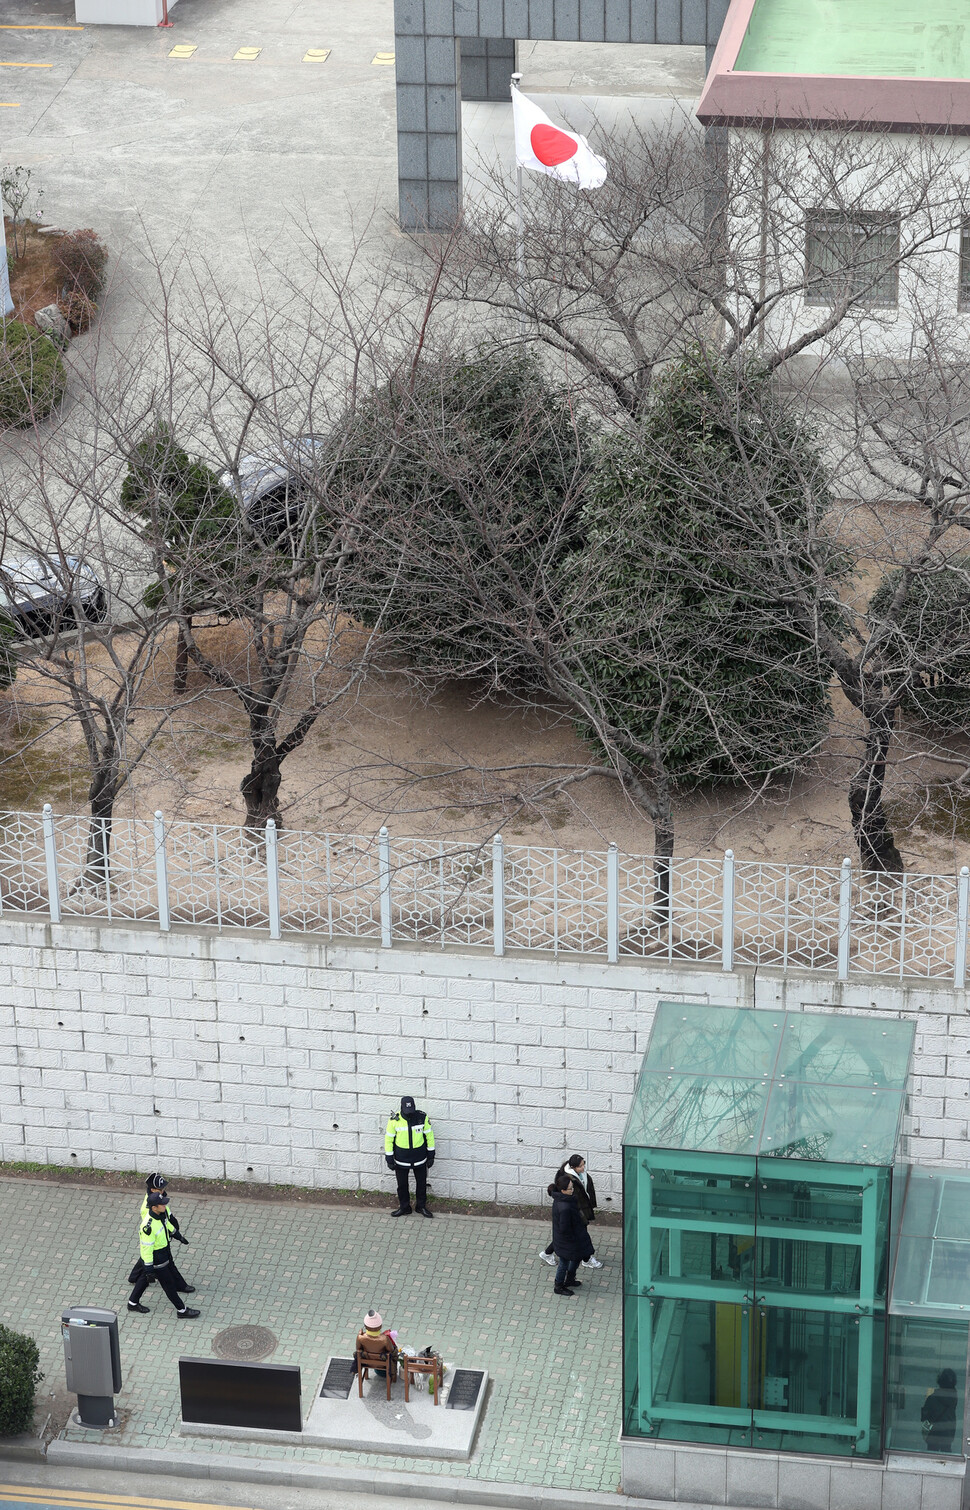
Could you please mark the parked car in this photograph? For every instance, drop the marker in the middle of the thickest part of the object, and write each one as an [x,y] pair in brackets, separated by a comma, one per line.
[270,485]
[38,595]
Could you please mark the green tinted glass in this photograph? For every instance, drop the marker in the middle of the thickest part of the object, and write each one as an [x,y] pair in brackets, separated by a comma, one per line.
[835,1123]
[697,1112]
[713,1040]
[840,1050]
[920,1350]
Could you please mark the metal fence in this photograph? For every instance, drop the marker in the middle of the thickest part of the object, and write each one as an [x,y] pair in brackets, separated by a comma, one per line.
[598,903]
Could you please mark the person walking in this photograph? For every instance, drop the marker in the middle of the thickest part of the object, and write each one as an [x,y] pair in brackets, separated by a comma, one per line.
[155,1237]
[938,1413]
[585,1192]
[409,1145]
[157,1185]
[570,1239]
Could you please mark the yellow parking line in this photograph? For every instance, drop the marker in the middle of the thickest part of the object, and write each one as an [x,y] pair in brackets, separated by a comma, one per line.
[246,54]
[26,65]
[9,104]
[183,50]
[382,59]
[74,1497]
[316,54]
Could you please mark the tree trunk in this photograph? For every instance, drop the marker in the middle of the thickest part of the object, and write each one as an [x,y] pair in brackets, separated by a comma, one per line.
[97,860]
[181,661]
[870,824]
[260,787]
[663,850]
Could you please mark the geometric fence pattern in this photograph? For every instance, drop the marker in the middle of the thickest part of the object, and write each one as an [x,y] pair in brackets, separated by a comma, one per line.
[598,903]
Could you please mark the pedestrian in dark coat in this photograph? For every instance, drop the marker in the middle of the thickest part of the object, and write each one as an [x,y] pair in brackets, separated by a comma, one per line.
[939,1413]
[570,1240]
[585,1192]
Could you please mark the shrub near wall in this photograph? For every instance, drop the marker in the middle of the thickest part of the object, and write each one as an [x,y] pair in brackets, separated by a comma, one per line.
[19,1378]
[32,375]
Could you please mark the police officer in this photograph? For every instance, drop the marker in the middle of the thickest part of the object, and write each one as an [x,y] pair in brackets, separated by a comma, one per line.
[155,1237]
[156,1184]
[409,1144]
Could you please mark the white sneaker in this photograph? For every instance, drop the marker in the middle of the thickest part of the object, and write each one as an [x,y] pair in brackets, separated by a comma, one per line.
[591,1263]
[548,1258]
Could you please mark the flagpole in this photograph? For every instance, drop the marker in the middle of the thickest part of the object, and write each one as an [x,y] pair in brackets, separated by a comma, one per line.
[519,232]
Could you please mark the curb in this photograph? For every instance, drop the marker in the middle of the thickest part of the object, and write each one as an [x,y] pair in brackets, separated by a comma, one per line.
[417,1486]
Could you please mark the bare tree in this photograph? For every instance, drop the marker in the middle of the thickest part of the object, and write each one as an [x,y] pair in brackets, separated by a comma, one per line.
[681,244]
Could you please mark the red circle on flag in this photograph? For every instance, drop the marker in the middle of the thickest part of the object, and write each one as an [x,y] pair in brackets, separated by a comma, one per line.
[552,146]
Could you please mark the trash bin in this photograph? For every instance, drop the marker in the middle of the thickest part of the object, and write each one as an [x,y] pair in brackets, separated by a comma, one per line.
[92,1360]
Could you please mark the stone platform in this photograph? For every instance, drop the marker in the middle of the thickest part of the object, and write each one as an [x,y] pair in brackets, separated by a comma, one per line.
[372,1423]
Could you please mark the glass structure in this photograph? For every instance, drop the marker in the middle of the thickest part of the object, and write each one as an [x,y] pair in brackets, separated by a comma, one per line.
[758,1221]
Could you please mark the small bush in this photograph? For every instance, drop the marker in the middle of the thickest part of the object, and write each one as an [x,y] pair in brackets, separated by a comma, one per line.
[32,377]
[80,259]
[19,1377]
[78,310]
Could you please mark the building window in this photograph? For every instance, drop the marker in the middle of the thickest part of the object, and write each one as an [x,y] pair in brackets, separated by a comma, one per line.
[963,297]
[853,256]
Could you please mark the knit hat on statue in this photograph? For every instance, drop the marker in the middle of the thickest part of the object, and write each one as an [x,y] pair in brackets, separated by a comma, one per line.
[373,1321]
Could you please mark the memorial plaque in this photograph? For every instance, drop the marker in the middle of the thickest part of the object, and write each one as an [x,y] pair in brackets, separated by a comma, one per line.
[340,1376]
[465,1385]
[257,1396]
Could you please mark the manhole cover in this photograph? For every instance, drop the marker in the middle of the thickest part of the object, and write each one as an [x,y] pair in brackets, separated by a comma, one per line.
[244,1342]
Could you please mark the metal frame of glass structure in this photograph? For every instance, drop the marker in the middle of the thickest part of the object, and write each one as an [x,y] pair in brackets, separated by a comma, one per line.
[758,1198]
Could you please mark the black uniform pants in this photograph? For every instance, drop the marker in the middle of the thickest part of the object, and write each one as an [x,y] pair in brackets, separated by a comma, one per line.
[167,1275]
[420,1185]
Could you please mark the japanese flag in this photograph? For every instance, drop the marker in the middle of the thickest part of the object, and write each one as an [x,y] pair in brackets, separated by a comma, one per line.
[545,148]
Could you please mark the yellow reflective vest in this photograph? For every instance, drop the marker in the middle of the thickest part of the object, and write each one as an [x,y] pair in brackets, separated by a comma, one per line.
[153,1235]
[408,1142]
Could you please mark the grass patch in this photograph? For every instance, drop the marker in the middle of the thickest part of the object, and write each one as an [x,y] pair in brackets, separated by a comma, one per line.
[244,1190]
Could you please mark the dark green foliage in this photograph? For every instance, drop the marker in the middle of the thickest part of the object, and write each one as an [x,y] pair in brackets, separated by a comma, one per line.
[19,1377]
[693,651]
[465,480]
[925,641]
[32,377]
[184,505]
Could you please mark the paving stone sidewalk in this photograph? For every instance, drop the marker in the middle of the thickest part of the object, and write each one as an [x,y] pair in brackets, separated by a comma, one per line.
[472,1286]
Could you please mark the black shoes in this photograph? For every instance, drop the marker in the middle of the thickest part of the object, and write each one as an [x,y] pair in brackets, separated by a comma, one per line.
[575,1284]
[425,1212]
[561,1290]
[186,1289]
[188,1314]
[134,1306]
[402,1211]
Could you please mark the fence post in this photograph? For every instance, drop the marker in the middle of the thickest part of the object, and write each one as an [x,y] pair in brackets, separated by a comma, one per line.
[727,911]
[612,904]
[50,859]
[960,952]
[845,917]
[273,878]
[161,874]
[384,870]
[498,894]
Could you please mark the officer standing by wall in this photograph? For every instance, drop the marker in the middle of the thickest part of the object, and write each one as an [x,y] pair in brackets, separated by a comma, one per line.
[409,1144]
[155,1237]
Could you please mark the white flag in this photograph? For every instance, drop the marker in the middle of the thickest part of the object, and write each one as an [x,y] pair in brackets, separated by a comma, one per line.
[546,148]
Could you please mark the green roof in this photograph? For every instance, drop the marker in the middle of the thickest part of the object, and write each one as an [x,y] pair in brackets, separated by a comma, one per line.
[859,37]
[791,1085]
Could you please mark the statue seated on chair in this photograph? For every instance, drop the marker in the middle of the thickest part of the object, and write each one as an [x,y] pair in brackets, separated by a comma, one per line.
[375,1349]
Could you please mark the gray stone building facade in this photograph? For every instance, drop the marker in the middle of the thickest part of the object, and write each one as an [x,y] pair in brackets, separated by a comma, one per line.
[447,49]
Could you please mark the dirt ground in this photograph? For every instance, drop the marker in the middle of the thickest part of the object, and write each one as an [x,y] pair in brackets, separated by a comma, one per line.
[391,755]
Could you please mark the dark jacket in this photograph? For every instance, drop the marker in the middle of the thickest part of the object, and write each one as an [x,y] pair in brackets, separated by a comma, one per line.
[585,1198]
[569,1236]
[939,1411]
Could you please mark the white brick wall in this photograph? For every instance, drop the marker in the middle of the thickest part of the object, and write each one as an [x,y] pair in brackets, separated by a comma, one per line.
[231,1056]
